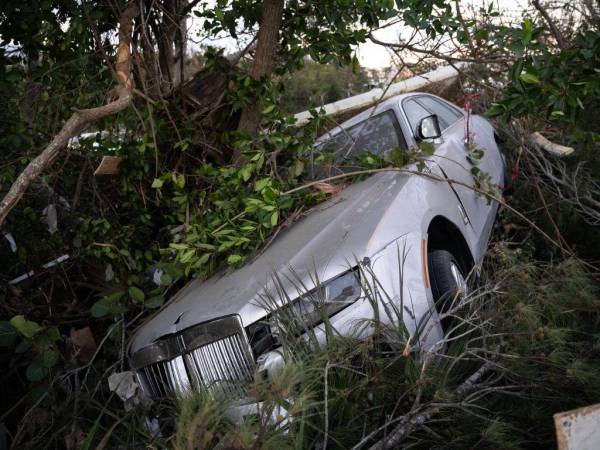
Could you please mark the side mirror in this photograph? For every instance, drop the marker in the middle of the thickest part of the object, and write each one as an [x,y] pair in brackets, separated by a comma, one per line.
[429,128]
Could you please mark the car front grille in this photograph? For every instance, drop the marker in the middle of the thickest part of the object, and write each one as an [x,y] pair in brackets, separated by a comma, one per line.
[214,356]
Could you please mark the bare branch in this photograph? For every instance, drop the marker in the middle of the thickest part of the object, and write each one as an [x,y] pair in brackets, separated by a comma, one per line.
[560,39]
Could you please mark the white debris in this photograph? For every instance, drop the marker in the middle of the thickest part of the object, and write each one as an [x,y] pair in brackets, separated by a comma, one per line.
[109,273]
[11,241]
[56,261]
[51,216]
[156,276]
[126,386]
[123,384]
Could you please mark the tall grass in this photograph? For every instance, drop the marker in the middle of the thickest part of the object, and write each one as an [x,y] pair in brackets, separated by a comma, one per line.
[524,345]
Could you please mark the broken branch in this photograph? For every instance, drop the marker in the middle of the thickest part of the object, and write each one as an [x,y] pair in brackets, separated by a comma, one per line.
[549,146]
[80,118]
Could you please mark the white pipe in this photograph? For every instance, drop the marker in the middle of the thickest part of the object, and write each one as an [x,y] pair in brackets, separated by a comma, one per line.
[377,94]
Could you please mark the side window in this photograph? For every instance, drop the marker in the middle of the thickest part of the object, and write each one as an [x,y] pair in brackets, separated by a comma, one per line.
[415,113]
[377,135]
[446,115]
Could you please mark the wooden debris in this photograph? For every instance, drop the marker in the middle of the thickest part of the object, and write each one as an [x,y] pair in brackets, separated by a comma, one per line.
[549,146]
[328,188]
[109,165]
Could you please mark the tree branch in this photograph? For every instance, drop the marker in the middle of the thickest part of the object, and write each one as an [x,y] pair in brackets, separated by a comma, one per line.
[80,118]
[419,417]
[560,39]
[439,55]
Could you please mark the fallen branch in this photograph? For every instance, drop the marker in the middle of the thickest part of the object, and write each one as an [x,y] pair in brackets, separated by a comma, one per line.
[80,118]
[419,417]
[552,148]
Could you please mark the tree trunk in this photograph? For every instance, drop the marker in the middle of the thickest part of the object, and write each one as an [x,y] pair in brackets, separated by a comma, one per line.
[264,60]
[80,119]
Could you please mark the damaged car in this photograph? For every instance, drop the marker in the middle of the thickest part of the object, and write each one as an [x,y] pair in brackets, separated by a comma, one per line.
[214,335]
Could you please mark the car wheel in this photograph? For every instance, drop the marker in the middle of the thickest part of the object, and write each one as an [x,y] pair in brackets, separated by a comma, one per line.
[448,282]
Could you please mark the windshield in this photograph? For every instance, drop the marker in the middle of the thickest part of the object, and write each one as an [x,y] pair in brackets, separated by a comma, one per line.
[378,135]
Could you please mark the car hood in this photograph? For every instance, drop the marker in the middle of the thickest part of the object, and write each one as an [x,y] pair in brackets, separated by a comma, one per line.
[330,239]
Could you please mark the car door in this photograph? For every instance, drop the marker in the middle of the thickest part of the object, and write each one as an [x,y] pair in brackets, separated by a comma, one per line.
[451,155]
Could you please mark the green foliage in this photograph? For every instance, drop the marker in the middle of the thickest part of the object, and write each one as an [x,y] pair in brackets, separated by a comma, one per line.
[317,84]
[563,86]
[25,327]
[38,342]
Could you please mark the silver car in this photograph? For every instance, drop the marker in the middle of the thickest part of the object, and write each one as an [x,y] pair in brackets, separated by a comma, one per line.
[215,334]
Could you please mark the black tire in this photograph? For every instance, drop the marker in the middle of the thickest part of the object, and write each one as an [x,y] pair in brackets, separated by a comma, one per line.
[443,284]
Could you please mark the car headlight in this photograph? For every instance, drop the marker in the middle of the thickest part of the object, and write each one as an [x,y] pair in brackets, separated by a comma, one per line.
[313,307]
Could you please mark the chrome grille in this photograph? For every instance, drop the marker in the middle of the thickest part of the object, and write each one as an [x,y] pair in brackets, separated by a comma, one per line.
[214,356]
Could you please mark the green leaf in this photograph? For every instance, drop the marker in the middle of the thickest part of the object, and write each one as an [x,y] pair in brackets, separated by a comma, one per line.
[262,183]
[100,308]
[179,180]
[269,109]
[529,78]
[527,33]
[155,302]
[246,171]
[274,218]
[8,334]
[202,260]
[298,168]
[53,334]
[269,195]
[355,65]
[136,294]
[49,358]
[187,256]
[157,183]
[496,109]
[108,305]
[166,279]
[36,371]
[26,327]
[234,259]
